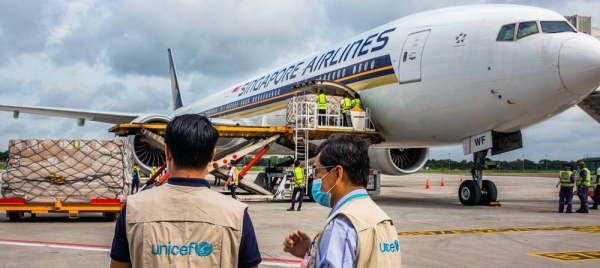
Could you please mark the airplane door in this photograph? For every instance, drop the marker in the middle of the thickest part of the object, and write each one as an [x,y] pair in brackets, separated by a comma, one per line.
[410,59]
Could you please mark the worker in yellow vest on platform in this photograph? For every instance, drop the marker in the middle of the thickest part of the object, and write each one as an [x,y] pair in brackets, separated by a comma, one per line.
[322,108]
[357,102]
[299,185]
[346,106]
[582,182]
[136,176]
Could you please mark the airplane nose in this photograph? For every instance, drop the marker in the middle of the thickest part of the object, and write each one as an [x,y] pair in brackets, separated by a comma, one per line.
[579,64]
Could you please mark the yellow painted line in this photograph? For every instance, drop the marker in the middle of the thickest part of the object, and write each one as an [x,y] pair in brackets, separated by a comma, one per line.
[570,256]
[594,229]
[364,73]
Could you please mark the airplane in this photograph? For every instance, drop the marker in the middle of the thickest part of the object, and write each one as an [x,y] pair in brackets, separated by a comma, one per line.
[475,75]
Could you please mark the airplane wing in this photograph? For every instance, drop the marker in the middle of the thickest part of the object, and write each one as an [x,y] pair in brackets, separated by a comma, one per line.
[104,117]
[591,105]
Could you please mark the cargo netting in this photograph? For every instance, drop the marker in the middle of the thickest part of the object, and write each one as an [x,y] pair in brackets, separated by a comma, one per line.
[333,109]
[67,170]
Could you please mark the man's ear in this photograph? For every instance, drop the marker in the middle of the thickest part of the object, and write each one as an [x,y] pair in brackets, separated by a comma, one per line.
[167,153]
[340,173]
[213,154]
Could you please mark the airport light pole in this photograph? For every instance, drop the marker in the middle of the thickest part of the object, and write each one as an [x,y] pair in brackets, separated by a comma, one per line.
[448,161]
[546,162]
[523,162]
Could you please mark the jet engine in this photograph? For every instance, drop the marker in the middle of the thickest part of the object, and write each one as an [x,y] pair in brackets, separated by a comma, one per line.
[144,154]
[147,156]
[398,161]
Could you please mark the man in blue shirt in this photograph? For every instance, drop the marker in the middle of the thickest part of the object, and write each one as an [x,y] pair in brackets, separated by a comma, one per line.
[341,168]
[180,223]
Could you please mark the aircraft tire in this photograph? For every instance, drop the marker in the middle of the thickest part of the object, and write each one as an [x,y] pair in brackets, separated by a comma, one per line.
[469,193]
[491,192]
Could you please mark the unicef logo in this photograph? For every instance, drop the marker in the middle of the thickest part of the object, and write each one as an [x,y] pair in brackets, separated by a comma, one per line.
[201,249]
[204,249]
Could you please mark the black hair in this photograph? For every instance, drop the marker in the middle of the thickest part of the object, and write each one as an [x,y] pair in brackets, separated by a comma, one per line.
[297,163]
[321,91]
[349,151]
[191,139]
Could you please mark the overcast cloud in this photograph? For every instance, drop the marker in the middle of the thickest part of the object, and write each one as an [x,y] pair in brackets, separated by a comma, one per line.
[111,56]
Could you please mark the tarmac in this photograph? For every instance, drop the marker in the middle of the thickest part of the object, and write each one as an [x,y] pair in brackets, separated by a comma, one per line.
[435,230]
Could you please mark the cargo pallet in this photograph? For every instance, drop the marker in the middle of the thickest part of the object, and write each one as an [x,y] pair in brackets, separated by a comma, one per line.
[17,207]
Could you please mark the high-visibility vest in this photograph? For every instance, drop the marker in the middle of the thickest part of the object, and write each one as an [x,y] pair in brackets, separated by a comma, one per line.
[565,178]
[357,102]
[587,180]
[153,171]
[346,104]
[322,101]
[299,174]
[235,179]
[137,171]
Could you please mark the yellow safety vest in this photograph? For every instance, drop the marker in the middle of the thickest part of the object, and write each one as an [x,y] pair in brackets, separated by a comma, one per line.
[587,180]
[565,179]
[346,105]
[357,102]
[299,174]
[236,178]
[137,170]
[322,102]
[153,171]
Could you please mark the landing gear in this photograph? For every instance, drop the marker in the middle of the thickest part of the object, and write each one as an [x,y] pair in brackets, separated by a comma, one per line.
[478,191]
[469,193]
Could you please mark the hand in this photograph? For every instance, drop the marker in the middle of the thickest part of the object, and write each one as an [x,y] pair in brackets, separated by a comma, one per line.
[297,244]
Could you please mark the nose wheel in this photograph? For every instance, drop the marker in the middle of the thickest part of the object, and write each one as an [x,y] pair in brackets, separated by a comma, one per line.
[478,191]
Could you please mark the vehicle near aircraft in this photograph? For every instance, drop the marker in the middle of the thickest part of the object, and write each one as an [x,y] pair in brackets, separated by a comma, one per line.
[475,75]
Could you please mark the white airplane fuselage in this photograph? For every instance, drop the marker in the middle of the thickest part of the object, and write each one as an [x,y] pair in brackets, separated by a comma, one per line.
[436,77]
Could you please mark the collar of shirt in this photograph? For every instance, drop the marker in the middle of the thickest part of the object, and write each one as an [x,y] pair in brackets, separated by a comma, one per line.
[349,196]
[190,182]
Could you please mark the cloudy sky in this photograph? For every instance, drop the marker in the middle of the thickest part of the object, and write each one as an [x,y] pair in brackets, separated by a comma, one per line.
[111,56]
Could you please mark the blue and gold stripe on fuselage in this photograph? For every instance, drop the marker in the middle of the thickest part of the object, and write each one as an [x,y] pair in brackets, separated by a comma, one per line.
[360,76]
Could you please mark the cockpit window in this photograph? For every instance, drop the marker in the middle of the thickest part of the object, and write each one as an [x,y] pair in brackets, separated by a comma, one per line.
[556,27]
[527,28]
[507,33]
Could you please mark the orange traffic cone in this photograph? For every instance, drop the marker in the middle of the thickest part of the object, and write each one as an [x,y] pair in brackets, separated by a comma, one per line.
[461,180]
[443,184]
[427,185]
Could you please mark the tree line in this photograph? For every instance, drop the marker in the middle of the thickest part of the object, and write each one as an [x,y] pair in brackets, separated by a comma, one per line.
[517,164]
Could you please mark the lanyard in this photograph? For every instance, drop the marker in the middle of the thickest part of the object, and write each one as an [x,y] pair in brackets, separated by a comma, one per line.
[352,197]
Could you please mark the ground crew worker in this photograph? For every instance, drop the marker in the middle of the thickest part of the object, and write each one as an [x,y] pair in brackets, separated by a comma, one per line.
[183,223]
[357,102]
[596,197]
[298,186]
[135,182]
[232,180]
[153,171]
[583,183]
[346,105]
[357,232]
[567,182]
[322,107]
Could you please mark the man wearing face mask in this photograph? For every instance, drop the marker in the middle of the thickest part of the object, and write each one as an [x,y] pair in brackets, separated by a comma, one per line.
[357,233]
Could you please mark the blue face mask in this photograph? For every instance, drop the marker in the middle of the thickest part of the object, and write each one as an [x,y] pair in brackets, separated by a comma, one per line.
[320,197]
[323,198]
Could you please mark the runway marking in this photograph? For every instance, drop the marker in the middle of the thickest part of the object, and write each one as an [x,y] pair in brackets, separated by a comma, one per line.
[570,256]
[105,248]
[594,229]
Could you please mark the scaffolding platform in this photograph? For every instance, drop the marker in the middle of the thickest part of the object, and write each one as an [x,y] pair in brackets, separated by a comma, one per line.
[127,129]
